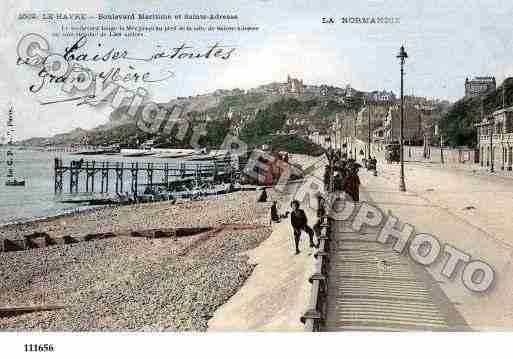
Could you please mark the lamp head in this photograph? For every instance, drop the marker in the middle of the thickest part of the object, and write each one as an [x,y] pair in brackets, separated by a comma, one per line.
[402,53]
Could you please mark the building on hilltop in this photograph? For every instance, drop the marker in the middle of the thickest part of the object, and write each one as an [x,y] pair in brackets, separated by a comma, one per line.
[349,91]
[479,86]
[292,87]
[381,96]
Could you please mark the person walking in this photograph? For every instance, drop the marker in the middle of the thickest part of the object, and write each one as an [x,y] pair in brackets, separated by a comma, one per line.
[338,181]
[275,217]
[352,183]
[299,223]
[327,176]
[321,212]
[263,196]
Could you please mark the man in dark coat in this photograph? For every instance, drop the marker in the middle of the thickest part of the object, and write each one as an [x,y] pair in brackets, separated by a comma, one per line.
[275,217]
[263,196]
[352,183]
[327,175]
[299,223]
[338,182]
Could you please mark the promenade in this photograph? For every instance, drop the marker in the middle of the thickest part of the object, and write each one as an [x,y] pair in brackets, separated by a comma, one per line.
[276,294]
[372,287]
[462,209]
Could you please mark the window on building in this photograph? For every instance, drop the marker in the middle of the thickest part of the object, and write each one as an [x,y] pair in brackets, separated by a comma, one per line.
[508,123]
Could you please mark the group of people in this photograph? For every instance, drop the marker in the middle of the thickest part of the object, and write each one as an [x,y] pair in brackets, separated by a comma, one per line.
[345,178]
[370,163]
[298,219]
[345,174]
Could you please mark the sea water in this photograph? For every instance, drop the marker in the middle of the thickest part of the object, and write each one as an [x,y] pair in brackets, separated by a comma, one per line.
[37,198]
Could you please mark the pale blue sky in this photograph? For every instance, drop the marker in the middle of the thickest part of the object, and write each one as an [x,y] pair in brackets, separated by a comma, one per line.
[446,40]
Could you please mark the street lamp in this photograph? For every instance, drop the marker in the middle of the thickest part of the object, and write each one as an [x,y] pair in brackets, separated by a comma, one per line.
[354,150]
[402,55]
[369,125]
[491,125]
[339,124]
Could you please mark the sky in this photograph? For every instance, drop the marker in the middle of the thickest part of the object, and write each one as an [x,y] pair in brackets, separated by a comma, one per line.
[446,41]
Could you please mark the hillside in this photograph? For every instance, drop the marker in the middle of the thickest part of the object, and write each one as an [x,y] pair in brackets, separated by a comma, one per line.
[457,124]
[254,115]
[258,117]
[74,136]
[257,124]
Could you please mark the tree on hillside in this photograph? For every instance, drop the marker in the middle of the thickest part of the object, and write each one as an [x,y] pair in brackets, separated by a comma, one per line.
[458,123]
[272,119]
[266,122]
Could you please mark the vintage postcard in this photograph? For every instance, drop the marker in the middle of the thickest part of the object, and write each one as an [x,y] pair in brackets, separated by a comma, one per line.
[255,166]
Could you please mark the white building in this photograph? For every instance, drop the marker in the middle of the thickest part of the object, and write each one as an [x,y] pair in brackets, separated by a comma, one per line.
[495,138]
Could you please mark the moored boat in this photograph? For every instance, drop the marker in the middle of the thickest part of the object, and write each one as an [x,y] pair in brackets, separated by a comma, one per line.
[15,182]
[136,153]
[174,153]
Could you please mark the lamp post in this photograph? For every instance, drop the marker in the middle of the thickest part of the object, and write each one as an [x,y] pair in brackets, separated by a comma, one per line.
[402,55]
[345,128]
[334,135]
[441,148]
[491,146]
[354,138]
[339,123]
[369,125]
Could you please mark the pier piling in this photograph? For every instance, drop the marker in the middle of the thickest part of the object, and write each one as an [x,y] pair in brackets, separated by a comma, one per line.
[154,173]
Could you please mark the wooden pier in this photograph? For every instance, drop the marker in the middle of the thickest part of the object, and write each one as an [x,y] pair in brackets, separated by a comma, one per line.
[120,177]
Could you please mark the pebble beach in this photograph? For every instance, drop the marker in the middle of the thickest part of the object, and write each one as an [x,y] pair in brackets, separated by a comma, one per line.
[129,283]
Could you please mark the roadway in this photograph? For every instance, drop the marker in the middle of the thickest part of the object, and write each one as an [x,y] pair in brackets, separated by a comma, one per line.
[468,210]
[373,288]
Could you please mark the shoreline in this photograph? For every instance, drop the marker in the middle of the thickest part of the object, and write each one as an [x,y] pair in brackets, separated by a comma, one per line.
[62,213]
[304,160]
[134,283]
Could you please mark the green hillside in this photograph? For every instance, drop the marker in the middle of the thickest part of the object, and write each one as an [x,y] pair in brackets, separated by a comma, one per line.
[457,124]
[259,118]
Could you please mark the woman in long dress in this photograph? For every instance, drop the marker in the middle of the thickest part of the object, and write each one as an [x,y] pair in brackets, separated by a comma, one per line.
[352,184]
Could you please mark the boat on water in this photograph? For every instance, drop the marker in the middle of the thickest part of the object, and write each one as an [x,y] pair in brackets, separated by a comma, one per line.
[215,155]
[170,155]
[11,177]
[91,153]
[203,158]
[110,150]
[174,154]
[15,182]
[138,154]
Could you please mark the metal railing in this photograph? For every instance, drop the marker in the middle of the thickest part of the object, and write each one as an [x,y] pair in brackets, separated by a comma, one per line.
[315,315]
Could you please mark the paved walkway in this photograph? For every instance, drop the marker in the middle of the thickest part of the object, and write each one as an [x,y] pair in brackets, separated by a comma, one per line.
[371,287]
[277,293]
